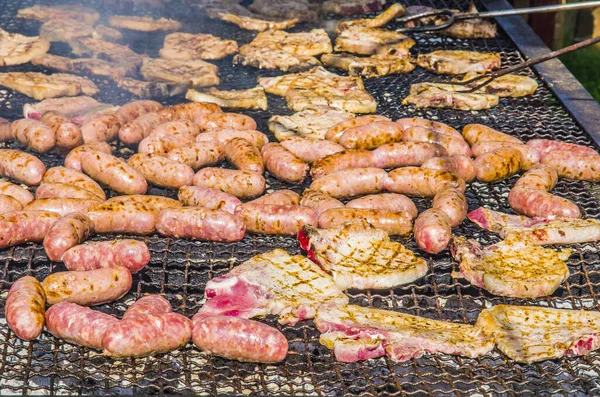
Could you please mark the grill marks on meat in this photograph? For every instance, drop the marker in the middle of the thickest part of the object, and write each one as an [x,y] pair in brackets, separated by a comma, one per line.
[143,24]
[312,123]
[245,19]
[513,268]
[200,73]
[428,95]
[40,86]
[356,333]
[16,49]
[395,10]
[269,58]
[63,11]
[510,85]
[98,67]
[100,48]
[186,46]
[79,109]
[368,41]
[459,62]
[374,66]
[291,287]
[358,255]
[252,98]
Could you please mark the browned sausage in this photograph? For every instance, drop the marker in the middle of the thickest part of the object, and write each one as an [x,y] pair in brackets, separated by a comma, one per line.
[455,146]
[529,155]
[73,159]
[200,223]
[283,164]
[192,110]
[475,133]
[434,126]
[62,206]
[392,202]
[67,134]
[318,201]
[23,226]
[175,127]
[276,219]
[199,154]
[158,203]
[243,155]
[498,165]
[123,217]
[461,166]
[9,204]
[454,203]
[403,154]
[161,171]
[132,110]
[101,128]
[113,172]
[393,223]
[208,198]
[421,182]
[311,150]
[5,132]
[352,182]
[350,158]
[131,254]
[133,132]
[164,144]
[222,136]
[71,177]
[21,195]
[241,184]
[545,146]
[433,231]
[335,132]
[61,190]
[371,136]
[278,197]
[222,121]
[66,233]
[33,134]
[572,165]
[24,308]
[22,167]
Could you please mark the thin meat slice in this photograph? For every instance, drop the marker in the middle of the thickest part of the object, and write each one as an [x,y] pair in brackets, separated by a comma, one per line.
[300,9]
[352,7]
[273,58]
[79,108]
[186,46]
[16,49]
[428,95]
[373,66]
[252,98]
[65,30]
[114,52]
[312,123]
[143,24]
[368,41]
[153,89]
[459,62]
[62,11]
[312,43]
[197,71]
[246,19]
[40,86]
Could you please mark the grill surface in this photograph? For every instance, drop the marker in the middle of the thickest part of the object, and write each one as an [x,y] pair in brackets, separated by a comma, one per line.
[180,269]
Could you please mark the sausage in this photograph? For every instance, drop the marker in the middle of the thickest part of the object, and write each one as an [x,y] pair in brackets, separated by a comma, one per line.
[9,204]
[101,128]
[158,203]
[392,202]
[498,165]
[229,121]
[393,223]
[572,165]
[5,132]
[475,133]
[243,155]
[67,134]
[78,324]
[311,150]
[192,110]
[433,231]
[276,219]
[149,304]
[61,190]
[62,206]
[87,288]
[283,164]
[241,184]
[454,146]
[318,201]
[421,182]
[200,224]
[25,307]
[66,233]
[240,339]
[23,226]
[75,178]
[347,159]
[22,167]
[278,197]
[222,136]
[33,134]
[529,196]
[73,159]
[335,132]
[454,203]
[434,126]
[352,182]
[132,110]
[199,154]
[123,217]
[208,198]
[545,146]
[175,127]
[17,192]
[147,333]
[161,171]
[529,155]
[131,254]
[371,136]
[164,144]
[135,131]
[113,172]
[461,166]
[403,154]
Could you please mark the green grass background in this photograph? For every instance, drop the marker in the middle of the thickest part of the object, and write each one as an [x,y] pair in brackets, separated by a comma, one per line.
[585,66]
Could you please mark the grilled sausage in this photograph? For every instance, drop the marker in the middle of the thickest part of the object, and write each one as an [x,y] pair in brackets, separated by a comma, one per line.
[73,159]
[62,206]
[454,146]
[101,128]
[61,190]
[175,127]
[311,150]
[529,155]
[199,154]
[433,231]
[392,222]
[454,203]
[240,339]
[9,204]
[403,154]
[23,226]
[276,219]
[66,233]
[347,159]
[283,164]
[131,254]
[33,134]
[421,182]
[192,110]
[23,196]
[353,182]
[392,202]
[243,155]
[545,146]
[123,217]
[133,132]
[158,203]
[24,308]
[434,126]
[67,134]
[371,136]
[278,197]
[87,288]
[225,121]
[149,304]
[5,132]
[161,171]
[572,165]
[113,172]
[22,167]
[200,224]
[208,198]
[498,165]
[75,178]
[335,132]
[318,201]
[222,136]
[475,133]
[78,324]
[132,110]
[241,184]
[461,166]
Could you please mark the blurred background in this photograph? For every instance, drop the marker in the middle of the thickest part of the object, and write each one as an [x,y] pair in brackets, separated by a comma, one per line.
[562,29]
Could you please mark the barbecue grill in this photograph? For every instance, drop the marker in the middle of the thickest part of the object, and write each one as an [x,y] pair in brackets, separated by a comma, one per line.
[179,269]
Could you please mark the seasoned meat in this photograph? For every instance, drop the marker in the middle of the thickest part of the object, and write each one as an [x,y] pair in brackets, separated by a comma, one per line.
[63,11]
[143,24]
[393,11]
[16,49]
[428,95]
[246,19]
[269,58]
[368,41]
[200,73]
[459,62]
[186,46]
[312,43]
[154,89]
[252,98]
[40,86]
[373,66]
[351,7]
[460,29]
[312,122]
[118,53]
[65,29]
[289,9]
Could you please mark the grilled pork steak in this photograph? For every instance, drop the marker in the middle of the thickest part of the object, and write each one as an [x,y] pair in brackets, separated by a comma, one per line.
[186,46]
[312,122]
[40,86]
[16,49]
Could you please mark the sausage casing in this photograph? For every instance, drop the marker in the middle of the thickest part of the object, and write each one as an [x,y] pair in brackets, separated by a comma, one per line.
[161,171]
[62,206]
[421,182]
[530,156]
[66,233]
[311,150]
[243,155]
[283,164]
[9,204]
[23,226]
[454,203]
[33,134]
[461,166]
[455,146]
[208,198]
[220,121]
[351,182]
[25,307]
[199,154]
[155,202]
[371,136]
[572,165]
[278,197]
[318,201]
[101,128]
[346,159]
[131,254]
[135,109]
[20,194]
[73,159]
[393,202]
[22,167]
[276,219]
[175,127]
[498,165]
[403,154]
[200,223]
[475,133]
[433,231]
[71,177]
[67,134]
[113,172]
[123,217]
[393,223]
[241,184]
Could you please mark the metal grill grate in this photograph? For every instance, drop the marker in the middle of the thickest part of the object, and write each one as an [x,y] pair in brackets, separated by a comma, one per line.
[179,269]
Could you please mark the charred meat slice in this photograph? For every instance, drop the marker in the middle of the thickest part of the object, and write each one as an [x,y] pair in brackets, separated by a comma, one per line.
[245,19]
[312,122]
[40,86]
[352,7]
[373,66]
[429,95]
[63,11]
[286,9]
[154,89]
[118,53]
[16,49]
[268,58]
[200,73]
[186,46]
[143,24]
[393,11]
[368,41]
[311,43]
[252,98]
[459,62]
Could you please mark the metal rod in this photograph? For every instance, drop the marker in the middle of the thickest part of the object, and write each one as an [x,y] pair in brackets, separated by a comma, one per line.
[530,10]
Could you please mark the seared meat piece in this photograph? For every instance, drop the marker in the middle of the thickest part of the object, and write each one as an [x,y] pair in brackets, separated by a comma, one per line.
[461,29]
[252,98]
[96,67]
[186,46]
[57,62]
[351,7]
[63,11]
[393,11]
[459,62]
[510,85]
[268,58]
[358,255]
[514,268]
[315,42]
[287,9]
[145,89]
[16,49]
[529,334]
[312,122]
[430,95]
[373,66]
[245,19]
[200,73]
[65,29]
[291,287]
[114,52]
[78,109]
[357,333]
[368,41]
[40,86]
[143,24]
[105,33]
